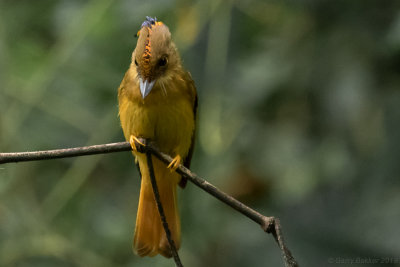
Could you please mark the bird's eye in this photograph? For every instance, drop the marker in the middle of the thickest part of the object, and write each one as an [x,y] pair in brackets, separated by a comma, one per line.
[136,62]
[162,62]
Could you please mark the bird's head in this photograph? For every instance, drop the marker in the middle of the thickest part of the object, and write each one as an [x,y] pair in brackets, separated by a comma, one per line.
[155,54]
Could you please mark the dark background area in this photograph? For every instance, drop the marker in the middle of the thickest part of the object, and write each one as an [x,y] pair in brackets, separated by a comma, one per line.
[299,117]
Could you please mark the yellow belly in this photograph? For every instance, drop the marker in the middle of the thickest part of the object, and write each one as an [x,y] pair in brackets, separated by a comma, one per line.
[169,123]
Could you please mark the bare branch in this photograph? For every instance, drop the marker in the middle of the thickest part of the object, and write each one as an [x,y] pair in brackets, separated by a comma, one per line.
[268,224]
[161,210]
[64,153]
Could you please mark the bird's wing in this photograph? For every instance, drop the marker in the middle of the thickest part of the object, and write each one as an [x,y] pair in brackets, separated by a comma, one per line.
[192,89]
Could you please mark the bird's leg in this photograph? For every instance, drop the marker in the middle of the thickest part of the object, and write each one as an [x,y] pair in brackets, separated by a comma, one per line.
[175,163]
[133,140]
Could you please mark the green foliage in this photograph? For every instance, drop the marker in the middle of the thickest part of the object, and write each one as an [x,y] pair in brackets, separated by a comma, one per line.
[299,118]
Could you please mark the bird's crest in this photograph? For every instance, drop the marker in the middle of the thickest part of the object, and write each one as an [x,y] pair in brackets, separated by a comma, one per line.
[149,23]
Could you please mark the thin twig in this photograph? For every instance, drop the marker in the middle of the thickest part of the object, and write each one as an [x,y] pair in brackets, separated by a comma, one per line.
[268,224]
[64,153]
[161,210]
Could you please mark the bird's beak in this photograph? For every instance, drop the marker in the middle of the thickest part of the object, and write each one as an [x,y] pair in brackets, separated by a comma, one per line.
[146,86]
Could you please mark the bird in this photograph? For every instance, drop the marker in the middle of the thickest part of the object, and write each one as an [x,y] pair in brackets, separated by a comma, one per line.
[157,101]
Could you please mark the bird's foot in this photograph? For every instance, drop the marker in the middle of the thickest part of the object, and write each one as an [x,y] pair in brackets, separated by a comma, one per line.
[175,163]
[133,140]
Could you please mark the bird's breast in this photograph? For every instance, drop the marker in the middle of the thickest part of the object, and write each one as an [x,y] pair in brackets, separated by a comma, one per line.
[169,123]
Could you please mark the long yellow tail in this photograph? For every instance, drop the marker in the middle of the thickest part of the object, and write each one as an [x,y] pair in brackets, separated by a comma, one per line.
[150,238]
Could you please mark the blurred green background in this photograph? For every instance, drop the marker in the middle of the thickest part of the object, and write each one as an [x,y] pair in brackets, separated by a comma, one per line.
[299,118]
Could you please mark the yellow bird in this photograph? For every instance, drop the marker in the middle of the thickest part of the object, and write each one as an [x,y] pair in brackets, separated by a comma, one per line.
[158,101]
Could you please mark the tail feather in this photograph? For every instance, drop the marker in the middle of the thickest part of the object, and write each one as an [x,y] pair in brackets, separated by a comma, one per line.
[150,238]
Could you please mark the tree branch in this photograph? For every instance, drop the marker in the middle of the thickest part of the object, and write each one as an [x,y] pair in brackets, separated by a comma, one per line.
[64,153]
[268,224]
[161,210]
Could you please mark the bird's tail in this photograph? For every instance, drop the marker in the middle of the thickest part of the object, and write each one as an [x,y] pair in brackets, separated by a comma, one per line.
[150,238]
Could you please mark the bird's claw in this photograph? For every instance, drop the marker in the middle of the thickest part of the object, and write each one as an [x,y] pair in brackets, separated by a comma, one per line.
[133,140]
[175,163]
